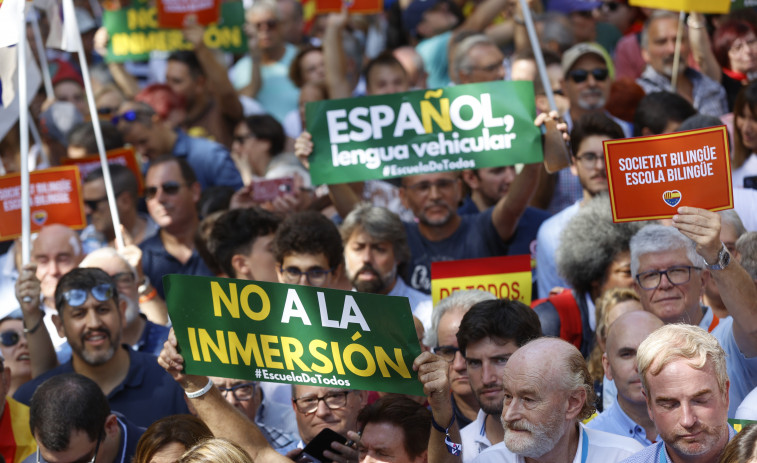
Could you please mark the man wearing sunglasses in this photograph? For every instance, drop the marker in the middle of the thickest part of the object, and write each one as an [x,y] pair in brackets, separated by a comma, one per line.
[92,319]
[671,266]
[73,422]
[658,40]
[172,193]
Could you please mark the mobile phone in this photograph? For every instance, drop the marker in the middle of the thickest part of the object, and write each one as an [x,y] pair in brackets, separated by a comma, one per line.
[313,452]
[750,182]
[269,189]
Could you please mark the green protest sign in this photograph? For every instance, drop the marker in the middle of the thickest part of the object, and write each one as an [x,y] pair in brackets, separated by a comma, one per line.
[739,4]
[293,334]
[738,425]
[464,127]
[134,32]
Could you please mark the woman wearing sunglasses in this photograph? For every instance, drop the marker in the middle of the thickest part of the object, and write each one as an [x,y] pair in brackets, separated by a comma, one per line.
[15,350]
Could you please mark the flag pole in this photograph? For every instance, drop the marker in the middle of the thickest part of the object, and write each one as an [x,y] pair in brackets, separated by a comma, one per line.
[41,53]
[677,53]
[69,16]
[23,122]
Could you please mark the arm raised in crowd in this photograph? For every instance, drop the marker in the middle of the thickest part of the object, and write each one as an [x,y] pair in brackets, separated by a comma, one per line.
[217,79]
[218,414]
[736,287]
[334,57]
[256,79]
[41,350]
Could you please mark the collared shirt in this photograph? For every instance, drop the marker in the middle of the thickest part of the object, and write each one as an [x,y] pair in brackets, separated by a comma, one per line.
[658,453]
[547,242]
[152,339]
[474,437]
[146,394]
[210,161]
[615,420]
[709,96]
[593,447]
[157,261]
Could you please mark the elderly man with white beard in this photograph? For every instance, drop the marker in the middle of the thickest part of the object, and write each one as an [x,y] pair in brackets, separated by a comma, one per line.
[548,391]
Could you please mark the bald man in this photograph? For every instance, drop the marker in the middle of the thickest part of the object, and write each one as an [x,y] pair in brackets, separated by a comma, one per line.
[628,415]
[548,391]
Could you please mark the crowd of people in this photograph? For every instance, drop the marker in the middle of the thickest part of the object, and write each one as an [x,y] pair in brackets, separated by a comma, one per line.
[640,341]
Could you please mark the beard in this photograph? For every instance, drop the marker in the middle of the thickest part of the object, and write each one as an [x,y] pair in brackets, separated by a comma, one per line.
[541,439]
[591,98]
[437,222]
[377,284]
[96,357]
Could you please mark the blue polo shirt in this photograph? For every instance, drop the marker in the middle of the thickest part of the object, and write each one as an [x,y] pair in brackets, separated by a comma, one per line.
[156,262]
[152,339]
[147,393]
[210,161]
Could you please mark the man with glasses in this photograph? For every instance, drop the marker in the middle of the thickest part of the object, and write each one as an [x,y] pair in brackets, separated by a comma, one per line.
[92,319]
[275,421]
[172,193]
[671,266]
[658,40]
[72,421]
[587,163]
[138,332]
[308,251]
[152,137]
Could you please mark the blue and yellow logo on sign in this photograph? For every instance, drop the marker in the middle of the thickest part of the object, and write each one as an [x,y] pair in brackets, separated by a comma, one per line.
[672,197]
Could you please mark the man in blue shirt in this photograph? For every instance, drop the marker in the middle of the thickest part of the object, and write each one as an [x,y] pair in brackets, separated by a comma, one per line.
[628,415]
[172,192]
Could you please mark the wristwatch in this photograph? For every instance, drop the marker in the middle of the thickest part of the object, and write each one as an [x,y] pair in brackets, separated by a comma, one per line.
[724,258]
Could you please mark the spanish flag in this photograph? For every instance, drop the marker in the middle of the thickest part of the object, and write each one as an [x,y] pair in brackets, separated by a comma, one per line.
[16,440]
[701,6]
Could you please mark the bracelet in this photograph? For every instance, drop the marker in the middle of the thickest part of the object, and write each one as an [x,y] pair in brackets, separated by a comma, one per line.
[201,392]
[453,448]
[149,296]
[35,327]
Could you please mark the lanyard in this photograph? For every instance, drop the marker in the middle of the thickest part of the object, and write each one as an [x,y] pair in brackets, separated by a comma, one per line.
[584,446]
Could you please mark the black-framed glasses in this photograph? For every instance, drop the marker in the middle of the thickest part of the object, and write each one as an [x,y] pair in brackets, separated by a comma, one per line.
[677,275]
[269,24]
[81,460]
[242,138]
[315,276]
[242,392]
[76,296]
[9,338]
[443,184]
[609,7]
[489,68]
[580,75]
[127,116]
[169,188]
[93,203]
[309,405]
[589,159]
[446,352]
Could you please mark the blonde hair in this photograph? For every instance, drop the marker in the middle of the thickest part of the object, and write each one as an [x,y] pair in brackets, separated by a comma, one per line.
[216,450]
[680,341]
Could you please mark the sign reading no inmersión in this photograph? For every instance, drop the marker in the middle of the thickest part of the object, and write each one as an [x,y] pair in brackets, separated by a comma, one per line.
[419,132]
[293,334]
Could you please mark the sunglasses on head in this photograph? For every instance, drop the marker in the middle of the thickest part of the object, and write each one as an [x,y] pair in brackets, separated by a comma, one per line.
[76,297]
[169,188]
[580,75]
[9,338]
[128,116]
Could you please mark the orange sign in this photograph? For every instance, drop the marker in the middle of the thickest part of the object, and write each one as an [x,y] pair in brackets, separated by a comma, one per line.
[54,197]
[355,6]
[505,277]
[172,13]
[651,177]
[122,156]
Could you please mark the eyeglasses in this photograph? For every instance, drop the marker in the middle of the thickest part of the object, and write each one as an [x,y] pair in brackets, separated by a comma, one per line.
[127,116]
[333,400]
[81,460]
[677,275]
[241,138]
[490,68]
[442,185]
[123,278]
[76,297]
[315,276]
[106,110]
[169,188]
[589,159]
[580,75]
[241,392]
[269,24]
[93,203]
[609,7]
[446,352]
[9,338]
